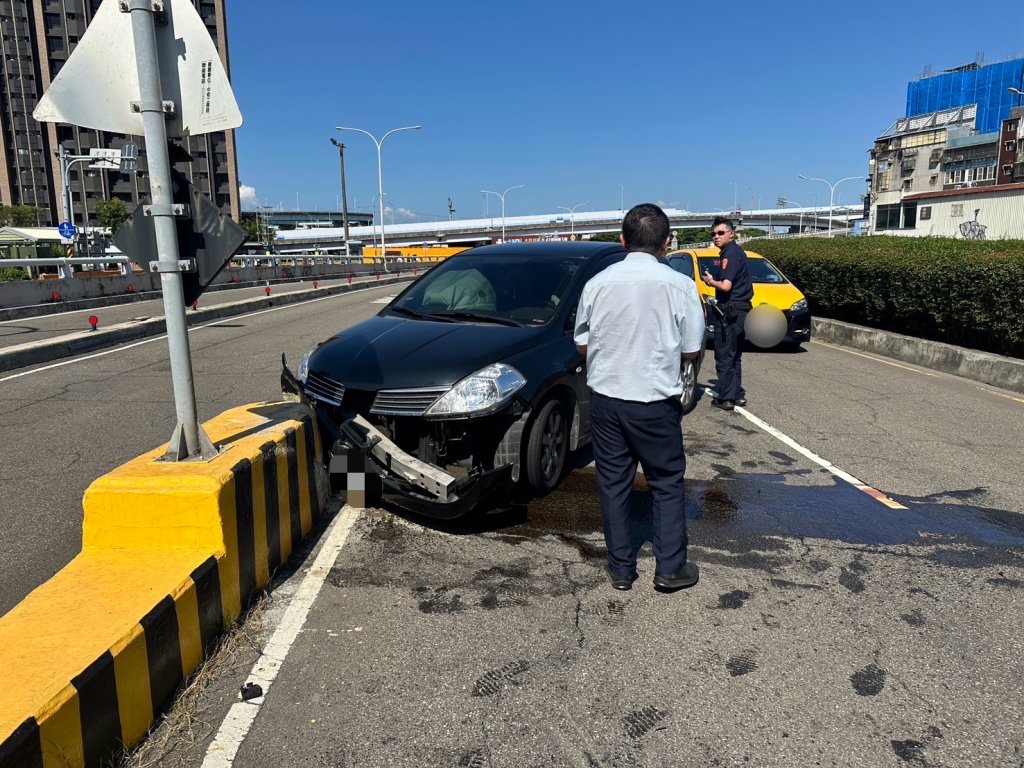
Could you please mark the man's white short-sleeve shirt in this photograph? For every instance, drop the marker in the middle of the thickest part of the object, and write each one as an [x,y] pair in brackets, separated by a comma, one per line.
[637,318]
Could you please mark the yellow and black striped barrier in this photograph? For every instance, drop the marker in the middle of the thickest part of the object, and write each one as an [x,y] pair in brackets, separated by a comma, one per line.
[172,552]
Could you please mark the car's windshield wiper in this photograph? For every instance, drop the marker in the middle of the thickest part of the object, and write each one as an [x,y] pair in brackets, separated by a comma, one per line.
[463,315]
[408,312]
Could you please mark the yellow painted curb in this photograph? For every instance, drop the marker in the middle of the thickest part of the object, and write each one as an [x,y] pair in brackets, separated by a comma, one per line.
[172,552]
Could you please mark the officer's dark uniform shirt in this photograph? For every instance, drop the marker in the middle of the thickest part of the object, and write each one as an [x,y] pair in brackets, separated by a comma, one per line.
[732,265]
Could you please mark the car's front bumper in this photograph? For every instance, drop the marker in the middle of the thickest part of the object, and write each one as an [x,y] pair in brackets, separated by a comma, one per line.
[413,484]
[798,328]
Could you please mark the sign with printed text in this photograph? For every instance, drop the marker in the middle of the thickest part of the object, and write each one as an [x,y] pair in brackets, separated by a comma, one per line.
[99,83]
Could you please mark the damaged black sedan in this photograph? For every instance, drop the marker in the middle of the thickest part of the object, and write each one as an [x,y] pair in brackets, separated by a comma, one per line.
[467,382]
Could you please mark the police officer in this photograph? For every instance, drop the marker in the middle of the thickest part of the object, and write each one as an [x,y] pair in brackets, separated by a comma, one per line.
[733,291]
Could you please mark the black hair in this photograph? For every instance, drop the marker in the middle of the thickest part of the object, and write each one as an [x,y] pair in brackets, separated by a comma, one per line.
[722,220]
[645,228]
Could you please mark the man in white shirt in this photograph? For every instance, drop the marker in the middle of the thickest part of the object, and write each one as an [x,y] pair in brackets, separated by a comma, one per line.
[636,321]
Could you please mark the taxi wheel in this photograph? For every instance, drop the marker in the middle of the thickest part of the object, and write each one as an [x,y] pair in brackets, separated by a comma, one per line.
[690,371]
[546,447]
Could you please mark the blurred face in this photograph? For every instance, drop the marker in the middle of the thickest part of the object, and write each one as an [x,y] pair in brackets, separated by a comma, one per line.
[721,235]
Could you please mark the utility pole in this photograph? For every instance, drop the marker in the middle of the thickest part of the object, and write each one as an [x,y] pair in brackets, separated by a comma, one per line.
[451,210]
[344,193]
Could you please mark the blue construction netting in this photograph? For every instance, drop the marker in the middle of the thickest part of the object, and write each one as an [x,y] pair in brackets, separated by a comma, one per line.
[987,86]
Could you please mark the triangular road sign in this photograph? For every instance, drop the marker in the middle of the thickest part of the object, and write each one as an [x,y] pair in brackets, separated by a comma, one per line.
[97,85]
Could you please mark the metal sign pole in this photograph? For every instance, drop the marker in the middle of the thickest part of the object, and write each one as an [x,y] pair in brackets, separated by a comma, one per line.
[188,438]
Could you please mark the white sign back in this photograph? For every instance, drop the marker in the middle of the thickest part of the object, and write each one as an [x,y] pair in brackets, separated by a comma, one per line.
[99,81]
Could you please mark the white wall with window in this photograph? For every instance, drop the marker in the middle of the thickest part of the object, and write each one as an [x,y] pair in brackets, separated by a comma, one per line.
[974,214]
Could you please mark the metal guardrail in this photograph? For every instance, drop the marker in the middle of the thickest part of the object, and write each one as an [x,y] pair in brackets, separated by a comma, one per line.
[66,264]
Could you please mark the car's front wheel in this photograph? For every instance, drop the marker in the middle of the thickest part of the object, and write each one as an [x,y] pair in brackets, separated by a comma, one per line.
[546,447]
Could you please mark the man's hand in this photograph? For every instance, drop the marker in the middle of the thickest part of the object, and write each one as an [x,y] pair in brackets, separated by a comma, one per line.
[691,355]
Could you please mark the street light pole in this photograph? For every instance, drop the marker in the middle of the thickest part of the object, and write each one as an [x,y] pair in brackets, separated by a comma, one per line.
[735,196]
[831,194]
[380,177]
[622,198]
[797,205]
[572,216]
[344,195]
[1018,93]
[502,196]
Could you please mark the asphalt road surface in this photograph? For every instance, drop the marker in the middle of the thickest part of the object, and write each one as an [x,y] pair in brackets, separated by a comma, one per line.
[858,527]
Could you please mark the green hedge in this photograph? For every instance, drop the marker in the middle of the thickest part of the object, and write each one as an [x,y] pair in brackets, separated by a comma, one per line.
[964,292]
[7,274]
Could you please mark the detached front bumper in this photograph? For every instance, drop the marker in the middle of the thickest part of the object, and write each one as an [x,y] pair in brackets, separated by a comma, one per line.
[408,482]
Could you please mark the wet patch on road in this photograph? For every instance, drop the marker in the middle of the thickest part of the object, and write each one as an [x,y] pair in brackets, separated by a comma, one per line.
[910,751]
[784,459]
[733,600]
[868,681]
[915,618]
[851,581]
[1002,581]
[438,600]
[475,758]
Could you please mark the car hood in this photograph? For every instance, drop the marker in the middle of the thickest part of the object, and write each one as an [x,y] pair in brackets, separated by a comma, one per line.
[398,353]
[781,295]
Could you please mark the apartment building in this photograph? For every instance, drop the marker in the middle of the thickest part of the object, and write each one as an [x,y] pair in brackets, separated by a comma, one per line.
[38,36]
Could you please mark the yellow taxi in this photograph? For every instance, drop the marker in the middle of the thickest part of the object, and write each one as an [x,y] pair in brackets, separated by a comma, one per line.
[770,287]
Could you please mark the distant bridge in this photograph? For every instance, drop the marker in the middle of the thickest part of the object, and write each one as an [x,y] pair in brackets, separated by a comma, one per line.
[557,226]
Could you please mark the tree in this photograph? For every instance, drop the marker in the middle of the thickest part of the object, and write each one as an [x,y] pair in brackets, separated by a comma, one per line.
[112,214]
[19,215]
[251,225]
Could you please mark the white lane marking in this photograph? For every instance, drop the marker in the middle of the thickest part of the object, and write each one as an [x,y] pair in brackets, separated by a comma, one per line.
[224,747]
[151,339]
[808,453]
[876,359]
[385,300]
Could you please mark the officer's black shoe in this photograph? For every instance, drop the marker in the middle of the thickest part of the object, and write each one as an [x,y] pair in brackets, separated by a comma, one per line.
[740,401]
[725,405]
[621,582]
[686,576]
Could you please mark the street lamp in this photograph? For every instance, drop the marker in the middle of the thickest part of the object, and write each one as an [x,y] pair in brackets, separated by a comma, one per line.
[786,202]
[622,198]
[344,195]
[1018,93]
[572,216]
[502,196]
[380,177]
[735,196]
[831,194]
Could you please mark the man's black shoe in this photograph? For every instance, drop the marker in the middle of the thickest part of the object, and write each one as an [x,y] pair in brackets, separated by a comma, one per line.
[725,405]
[740,401]
[686,576]
[621,582]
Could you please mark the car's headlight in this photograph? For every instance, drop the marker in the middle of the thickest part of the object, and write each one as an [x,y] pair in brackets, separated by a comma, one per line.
[800,306]
[482,391]
[303,371]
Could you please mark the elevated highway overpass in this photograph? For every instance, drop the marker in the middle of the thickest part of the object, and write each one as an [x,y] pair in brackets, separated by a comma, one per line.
[554,226]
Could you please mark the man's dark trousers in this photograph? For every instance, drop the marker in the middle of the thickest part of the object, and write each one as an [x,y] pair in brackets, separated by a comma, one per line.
[729,338]
[625,433]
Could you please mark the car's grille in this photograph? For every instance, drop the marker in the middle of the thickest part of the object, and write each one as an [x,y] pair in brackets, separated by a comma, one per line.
[406,402]
[321,387]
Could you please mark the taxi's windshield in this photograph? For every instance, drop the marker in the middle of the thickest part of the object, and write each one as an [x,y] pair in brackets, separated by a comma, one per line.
[761,270]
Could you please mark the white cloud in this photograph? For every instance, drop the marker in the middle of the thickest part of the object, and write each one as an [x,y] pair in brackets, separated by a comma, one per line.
[401,213]
[247,195]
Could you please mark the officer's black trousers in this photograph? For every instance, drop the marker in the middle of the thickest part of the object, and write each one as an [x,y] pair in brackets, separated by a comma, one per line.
[729,338]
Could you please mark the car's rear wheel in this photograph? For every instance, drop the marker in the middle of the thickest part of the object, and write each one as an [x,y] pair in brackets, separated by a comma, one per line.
[546,447]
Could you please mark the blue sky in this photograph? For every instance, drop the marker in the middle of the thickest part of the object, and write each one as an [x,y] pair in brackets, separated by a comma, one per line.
[588,104]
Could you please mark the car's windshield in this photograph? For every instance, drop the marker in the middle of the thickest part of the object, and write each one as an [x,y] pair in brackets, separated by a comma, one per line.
[682,264]
[525,289]
[761,270]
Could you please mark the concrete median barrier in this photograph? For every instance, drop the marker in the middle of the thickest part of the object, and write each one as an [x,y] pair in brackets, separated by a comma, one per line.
[171,554]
